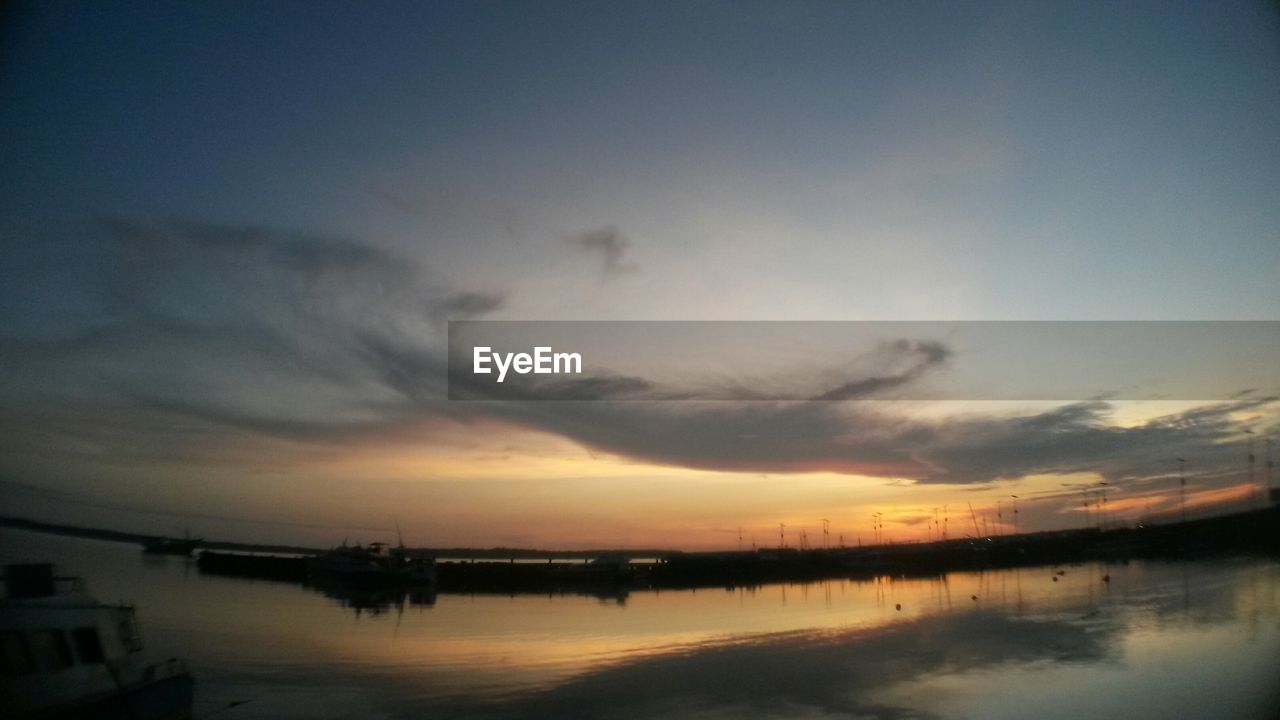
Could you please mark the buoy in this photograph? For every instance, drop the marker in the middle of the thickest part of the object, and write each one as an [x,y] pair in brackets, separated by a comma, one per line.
[1106,578]
[973,597]
[898,606]
[1055,578]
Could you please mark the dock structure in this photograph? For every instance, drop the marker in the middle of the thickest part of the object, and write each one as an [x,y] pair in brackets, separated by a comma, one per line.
[248,565]
[1256,531]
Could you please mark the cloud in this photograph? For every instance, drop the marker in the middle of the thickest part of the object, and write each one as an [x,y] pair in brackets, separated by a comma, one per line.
[396,199]
[860,438]
[611,246]
[465,305]
[1080,438]
[264,330]
[317,338]
[595,387]
[896,364]
[167,263]
[869,439]
[921,356]
[310,255]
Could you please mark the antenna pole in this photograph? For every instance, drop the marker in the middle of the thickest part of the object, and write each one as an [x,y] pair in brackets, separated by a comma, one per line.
[1270,464]
[1182,485]
[1253,488]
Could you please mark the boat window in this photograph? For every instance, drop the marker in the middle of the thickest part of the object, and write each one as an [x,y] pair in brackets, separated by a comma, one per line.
[15,659]
[88,645]
[50,649]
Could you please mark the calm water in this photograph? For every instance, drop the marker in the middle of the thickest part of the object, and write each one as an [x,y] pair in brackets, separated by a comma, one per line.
[1192,640]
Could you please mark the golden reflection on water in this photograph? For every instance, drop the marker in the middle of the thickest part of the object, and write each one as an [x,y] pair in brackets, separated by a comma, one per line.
[562,636]
[979,644]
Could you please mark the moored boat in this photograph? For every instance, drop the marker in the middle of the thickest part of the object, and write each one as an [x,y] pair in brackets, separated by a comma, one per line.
[171,546]
[372,564]
[63,654]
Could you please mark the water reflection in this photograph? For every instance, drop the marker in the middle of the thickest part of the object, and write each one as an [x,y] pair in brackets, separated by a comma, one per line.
[1137,640]
[835,674]
[374,600]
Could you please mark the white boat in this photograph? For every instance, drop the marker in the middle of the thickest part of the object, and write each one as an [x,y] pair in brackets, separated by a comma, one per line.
[63,654]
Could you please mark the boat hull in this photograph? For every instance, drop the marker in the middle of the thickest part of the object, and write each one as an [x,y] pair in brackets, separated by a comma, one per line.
[168,698]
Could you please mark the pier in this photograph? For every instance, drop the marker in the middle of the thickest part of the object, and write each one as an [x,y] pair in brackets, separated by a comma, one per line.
[1256,532]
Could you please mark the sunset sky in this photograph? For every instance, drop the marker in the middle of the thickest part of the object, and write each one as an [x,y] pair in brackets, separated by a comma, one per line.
[234,235]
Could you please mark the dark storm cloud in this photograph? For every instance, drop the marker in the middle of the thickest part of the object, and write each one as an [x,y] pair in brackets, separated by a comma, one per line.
[610,245]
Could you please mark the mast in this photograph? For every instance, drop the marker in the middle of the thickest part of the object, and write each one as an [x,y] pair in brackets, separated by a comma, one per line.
[1253,487]
[1182,485]
[1270,464]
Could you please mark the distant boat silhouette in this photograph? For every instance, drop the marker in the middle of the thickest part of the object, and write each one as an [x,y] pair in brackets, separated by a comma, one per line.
[172,546]
[374,564]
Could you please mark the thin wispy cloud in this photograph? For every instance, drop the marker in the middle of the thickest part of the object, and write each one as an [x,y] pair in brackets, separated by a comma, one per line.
[610,246]
[311,338]
[919,357]
[466,305]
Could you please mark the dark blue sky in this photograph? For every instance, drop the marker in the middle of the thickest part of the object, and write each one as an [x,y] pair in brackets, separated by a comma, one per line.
[1128,145]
